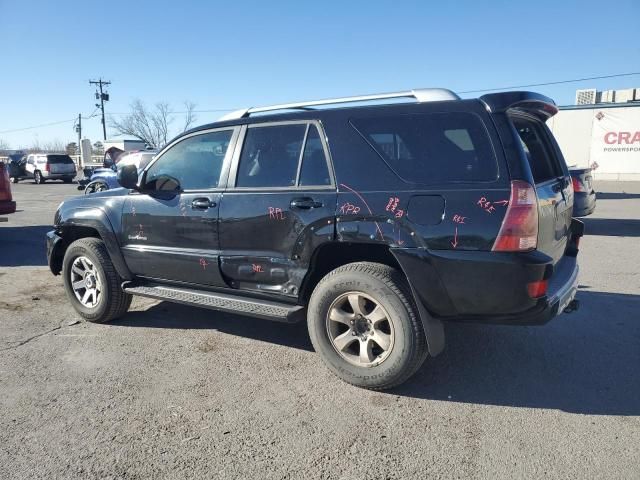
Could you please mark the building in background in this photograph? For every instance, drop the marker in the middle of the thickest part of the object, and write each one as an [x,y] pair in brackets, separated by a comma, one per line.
[602,129]
[591,96]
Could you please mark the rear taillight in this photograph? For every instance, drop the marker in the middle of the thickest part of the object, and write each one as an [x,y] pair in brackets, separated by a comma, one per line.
[537,289]
[5,185]
[47,167]
[577,185]
[519,230]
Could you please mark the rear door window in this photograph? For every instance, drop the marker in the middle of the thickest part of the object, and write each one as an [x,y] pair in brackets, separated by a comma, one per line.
[432,148]
[314,170]
[285,155]
[270,156]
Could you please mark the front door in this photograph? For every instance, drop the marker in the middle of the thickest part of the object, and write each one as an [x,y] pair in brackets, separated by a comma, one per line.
[278,208]
[170,227]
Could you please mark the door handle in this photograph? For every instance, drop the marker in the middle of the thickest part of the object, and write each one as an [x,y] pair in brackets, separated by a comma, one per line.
[202,204]
[305,203]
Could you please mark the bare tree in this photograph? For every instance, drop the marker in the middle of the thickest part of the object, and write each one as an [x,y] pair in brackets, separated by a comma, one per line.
[3,145]
[152,126]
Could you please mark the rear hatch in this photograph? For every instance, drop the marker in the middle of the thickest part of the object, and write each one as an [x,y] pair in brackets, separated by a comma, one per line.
[61,164]
[552,182]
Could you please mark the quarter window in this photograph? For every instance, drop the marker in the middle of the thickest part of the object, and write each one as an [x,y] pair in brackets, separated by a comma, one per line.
[194,163]
[432,148]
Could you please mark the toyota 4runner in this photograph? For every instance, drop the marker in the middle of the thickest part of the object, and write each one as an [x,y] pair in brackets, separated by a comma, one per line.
[374,223]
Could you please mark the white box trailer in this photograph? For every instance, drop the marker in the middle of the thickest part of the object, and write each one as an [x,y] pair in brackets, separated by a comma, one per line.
[606,135]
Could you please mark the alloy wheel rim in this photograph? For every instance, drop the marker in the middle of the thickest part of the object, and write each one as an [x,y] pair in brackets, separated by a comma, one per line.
[360,329]
[85,282]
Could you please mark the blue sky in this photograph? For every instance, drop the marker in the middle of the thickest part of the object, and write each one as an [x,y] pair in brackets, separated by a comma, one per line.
[226,55]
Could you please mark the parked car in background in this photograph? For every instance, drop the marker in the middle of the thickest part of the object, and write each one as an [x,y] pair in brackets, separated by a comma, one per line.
[16,167]
[373,224]
[584,202]
[7,205]
[45,166]
[101,179]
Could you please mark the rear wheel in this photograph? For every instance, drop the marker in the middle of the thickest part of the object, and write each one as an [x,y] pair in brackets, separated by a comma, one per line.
[15,179]
[364,325]
[92,283]
[37,177]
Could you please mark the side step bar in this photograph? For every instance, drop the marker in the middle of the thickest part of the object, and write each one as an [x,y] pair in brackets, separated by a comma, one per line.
[269,310]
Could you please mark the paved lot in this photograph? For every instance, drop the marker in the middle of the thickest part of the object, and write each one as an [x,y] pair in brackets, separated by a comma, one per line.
[175,392]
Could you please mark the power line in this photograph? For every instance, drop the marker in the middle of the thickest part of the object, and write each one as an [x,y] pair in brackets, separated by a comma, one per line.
[38,126]
[553,83]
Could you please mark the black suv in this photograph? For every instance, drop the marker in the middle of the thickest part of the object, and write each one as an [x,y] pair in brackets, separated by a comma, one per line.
[374,223]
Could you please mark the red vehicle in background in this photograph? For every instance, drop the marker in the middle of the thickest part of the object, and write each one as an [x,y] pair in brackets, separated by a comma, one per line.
[7,205]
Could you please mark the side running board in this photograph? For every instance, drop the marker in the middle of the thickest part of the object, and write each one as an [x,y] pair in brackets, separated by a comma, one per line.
[269,310]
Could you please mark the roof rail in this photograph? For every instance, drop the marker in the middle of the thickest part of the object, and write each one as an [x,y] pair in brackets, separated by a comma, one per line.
[420,94]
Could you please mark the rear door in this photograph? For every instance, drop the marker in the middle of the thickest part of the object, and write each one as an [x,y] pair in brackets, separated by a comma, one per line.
[279,206]
[61,165]
[552,183]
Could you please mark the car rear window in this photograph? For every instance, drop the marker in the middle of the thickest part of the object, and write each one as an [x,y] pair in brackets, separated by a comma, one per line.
[543,163]
[59,159]
[432,148]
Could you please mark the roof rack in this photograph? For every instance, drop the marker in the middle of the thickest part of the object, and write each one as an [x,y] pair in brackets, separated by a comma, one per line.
[420,94]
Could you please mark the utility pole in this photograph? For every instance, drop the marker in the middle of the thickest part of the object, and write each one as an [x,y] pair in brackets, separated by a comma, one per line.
[104,97]
[79,130]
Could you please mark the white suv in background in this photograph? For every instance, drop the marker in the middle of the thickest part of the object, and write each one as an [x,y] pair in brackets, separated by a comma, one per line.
[50,166]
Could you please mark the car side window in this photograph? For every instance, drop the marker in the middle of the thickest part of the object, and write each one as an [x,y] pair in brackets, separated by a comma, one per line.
[194,163]
[270,156]
[314,170]
[434,148]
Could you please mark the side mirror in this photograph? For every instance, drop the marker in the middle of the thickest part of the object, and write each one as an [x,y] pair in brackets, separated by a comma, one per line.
[128,177]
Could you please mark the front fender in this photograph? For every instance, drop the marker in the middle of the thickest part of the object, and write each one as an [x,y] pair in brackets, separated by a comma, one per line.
[72,224]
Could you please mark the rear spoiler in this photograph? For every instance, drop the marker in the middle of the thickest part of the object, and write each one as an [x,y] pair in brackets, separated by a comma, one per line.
[529,102]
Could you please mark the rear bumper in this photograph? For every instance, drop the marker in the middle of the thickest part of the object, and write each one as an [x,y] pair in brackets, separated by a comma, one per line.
[489,287]
[584,204]
[7,207]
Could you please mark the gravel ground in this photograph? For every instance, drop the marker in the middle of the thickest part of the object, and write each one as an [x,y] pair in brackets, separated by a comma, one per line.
[170,391]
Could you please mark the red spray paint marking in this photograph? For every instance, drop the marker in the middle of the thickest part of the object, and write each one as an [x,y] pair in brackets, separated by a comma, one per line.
[349,209]
[392,204]
[276,213]
[256,268]
[203,263]
[454,244]
[366,205]
[488,206]
[458,219]
[399,213]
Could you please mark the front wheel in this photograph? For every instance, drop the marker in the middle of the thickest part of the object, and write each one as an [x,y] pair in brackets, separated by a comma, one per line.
[92,282]
[364,325]
[38,178]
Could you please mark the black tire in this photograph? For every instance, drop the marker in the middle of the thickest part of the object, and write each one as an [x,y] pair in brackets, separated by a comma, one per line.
[15,179]
[67,179]
[113,302]
[37,178]
[389,289]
